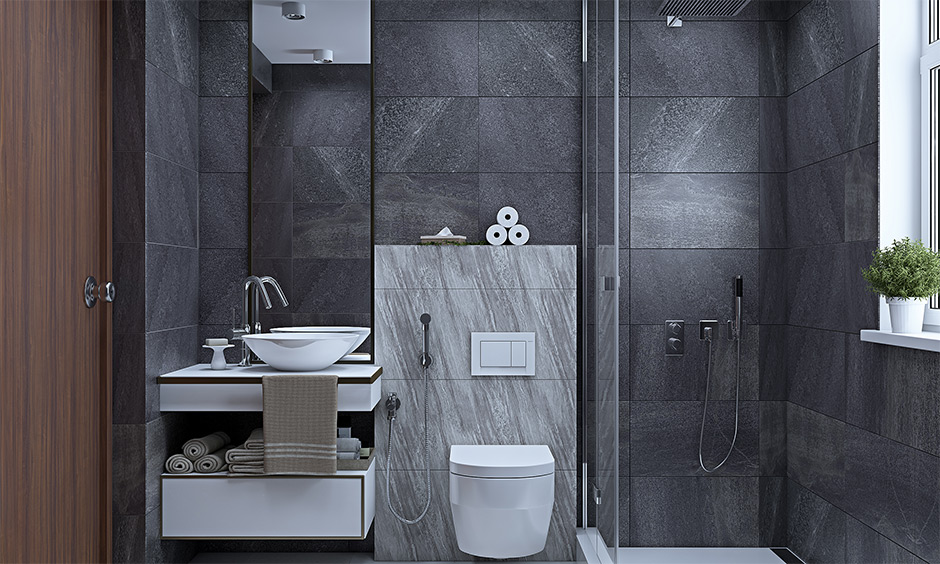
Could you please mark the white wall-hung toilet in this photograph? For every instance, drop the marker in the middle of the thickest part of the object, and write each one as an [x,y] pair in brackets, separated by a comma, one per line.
[501,497]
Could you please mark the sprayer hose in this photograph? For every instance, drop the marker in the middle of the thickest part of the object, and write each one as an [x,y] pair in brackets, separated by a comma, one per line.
[427,463]
[737,394]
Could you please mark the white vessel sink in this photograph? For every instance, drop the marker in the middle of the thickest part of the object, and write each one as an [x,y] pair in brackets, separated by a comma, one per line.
[300,352]
[362,333]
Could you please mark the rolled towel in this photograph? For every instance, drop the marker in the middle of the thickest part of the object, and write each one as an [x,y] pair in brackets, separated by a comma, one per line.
[255,440]
[248,468]
[348,445]
[241,454]
[214,462]
[179,464]
[197,448]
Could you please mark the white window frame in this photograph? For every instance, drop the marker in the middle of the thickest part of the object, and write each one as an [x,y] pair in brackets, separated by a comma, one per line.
[930,229]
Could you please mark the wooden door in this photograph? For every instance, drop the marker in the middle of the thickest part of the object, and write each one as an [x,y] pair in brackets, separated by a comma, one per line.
[55,194]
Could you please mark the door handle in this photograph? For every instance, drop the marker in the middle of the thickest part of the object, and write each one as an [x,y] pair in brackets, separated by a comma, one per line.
[93,292]
[106,292]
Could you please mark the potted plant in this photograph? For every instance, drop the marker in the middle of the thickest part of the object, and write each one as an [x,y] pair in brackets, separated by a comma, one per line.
[906,273]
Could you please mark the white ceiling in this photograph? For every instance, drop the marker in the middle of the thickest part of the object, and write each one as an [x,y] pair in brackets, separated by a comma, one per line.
[341,25]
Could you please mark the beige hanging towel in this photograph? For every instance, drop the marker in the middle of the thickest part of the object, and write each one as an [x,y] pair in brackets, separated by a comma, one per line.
[299,424]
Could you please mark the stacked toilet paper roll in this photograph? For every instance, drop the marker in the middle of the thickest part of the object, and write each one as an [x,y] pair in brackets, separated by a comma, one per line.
[507,228]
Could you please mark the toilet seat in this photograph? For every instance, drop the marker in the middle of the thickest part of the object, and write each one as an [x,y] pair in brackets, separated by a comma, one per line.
[501,461]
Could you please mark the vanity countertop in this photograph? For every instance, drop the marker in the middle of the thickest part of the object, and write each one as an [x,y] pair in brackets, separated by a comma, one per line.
[203,374]
[199,388]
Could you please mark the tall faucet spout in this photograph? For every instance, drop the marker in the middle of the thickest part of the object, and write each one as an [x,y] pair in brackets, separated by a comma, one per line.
[259,288]
[277,289]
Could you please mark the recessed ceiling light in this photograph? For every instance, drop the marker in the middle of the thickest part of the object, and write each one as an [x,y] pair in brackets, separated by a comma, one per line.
[293,11]
[322,56]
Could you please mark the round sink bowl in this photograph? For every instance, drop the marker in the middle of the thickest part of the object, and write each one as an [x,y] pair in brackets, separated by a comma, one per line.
[362,333]
[300,352]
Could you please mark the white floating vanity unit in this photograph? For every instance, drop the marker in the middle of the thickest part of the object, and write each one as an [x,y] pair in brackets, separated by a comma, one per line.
[226,506]
[222,506]
[199,388]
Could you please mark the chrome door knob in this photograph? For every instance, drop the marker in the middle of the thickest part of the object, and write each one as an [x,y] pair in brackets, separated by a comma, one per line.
[106,292]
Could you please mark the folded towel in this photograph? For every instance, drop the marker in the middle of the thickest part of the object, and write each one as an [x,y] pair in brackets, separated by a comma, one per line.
[246,469]
[255,440]
[347,455]
[242,454]
[348,445]
[299,424]
[179,464]
[213,462]
[197,448]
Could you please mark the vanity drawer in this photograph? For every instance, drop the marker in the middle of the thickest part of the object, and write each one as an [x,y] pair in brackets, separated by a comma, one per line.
[219,506]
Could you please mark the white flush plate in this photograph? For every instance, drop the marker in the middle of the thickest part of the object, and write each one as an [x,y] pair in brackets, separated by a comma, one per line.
[502,354]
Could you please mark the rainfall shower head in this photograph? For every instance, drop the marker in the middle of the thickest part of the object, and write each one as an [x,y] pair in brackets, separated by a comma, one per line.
[702,8]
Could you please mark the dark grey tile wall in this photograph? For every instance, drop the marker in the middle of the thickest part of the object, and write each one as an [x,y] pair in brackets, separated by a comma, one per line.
[156,256]
[224,161]
[861,419]
[311,211]
[180,230]
[478,105]
[694,145]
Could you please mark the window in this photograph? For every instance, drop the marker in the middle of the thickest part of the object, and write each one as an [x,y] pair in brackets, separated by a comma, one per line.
[930,142]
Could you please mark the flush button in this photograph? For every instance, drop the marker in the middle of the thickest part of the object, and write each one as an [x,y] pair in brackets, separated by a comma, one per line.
[496,354]
[518,354]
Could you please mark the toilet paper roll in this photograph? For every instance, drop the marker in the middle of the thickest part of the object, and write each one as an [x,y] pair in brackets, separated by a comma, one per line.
[519,234]
[507,217]
[496,235]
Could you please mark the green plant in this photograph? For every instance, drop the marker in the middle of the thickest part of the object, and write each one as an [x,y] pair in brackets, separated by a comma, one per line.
[906,269]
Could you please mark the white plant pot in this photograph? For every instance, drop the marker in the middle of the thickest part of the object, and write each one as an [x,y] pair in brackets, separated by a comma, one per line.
[907,316]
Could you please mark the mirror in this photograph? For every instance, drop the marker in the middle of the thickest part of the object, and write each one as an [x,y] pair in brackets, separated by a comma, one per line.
[311,171]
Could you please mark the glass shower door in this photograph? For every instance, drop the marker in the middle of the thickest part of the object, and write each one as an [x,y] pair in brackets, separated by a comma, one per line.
[601,269]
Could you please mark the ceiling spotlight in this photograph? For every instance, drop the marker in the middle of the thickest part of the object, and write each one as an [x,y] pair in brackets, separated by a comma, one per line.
[293,11]
[322,56]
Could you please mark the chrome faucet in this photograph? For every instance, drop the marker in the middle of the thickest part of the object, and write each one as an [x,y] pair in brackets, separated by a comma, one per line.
[254,294]
[277,289]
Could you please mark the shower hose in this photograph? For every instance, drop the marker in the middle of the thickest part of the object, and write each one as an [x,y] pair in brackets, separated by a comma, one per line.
[427,463]
[737,392]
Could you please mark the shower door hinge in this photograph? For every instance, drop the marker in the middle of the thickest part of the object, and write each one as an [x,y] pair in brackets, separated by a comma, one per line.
[597,494]
[610,283]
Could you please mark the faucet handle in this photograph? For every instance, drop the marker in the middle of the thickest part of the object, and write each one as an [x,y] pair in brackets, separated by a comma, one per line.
[238,332]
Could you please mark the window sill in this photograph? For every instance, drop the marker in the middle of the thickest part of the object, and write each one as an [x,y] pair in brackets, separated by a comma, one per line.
[925,341]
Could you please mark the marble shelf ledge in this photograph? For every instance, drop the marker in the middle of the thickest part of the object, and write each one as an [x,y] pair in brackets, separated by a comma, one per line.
[199,388]
[925,341]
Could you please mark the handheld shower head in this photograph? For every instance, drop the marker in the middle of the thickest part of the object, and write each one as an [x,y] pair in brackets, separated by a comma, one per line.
[425,357]
[736,328]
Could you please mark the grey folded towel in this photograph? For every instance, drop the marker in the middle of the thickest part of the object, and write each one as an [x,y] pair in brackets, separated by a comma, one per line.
[213,462]
[197,448]
[179,464]
[242,454]
[246,468]
[347,455]
[348,445]
[299,424]
[255,440]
